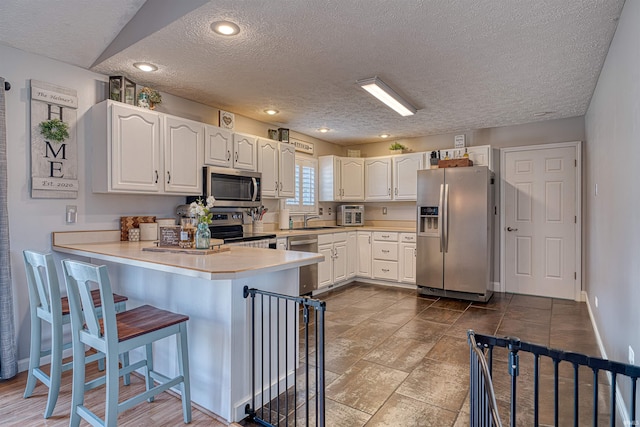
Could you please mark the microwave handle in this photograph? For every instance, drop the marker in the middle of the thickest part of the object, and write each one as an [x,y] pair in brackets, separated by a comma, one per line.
[255,189]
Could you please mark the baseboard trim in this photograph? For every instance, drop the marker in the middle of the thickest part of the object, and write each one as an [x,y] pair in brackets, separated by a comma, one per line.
[620,404]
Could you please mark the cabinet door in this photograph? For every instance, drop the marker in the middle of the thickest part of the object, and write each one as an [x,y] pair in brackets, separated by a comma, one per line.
[183,158]
[405,175]
[340,261]
[244,152]
[364,254]
[408,262]
[377,174]
[352,254]
[218,146]
[135,150]
[287,171]
[352,179]
[268,166]
[325,268]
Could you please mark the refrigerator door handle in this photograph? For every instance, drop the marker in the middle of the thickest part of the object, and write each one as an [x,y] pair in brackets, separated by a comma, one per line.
[441,217]
[445,227]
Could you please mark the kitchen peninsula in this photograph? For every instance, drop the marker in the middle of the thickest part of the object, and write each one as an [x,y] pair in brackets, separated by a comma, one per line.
[207,288]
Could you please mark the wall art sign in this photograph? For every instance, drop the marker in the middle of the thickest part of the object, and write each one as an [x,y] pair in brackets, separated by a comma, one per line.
[302,146]
[54,147]
[227,119]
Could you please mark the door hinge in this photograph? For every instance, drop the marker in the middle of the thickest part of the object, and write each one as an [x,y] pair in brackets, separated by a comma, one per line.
[575,276]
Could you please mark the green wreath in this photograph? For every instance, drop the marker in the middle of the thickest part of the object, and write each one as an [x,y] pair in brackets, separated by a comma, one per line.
[54,130]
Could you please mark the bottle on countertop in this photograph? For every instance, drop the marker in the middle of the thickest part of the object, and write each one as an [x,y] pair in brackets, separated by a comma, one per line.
[466,153]
[290,223]
[446,155]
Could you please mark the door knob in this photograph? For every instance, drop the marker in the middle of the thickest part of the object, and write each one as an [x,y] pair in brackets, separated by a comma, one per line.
[511,229]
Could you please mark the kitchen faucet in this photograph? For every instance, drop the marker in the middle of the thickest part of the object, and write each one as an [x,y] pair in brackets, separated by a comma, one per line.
[307,217]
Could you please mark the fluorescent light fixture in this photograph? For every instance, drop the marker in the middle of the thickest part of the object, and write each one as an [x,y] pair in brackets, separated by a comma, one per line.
[225,28]
[388,96]
[145,66]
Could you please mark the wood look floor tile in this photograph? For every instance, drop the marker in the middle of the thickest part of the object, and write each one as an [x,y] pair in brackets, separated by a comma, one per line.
[365,386]
[452,304]
[531,301]
[528,314]
[404,411]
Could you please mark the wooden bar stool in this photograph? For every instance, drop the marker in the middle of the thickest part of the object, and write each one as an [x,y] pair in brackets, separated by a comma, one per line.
[115,334]
[46,304]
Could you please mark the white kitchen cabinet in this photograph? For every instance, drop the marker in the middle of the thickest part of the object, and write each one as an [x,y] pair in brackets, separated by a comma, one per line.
[341,179]
[364,254]
[481,155]
[183,155]
[277,162]
[141,151]
[244,151]
[385,255]
[407,257]
[405,175]
[218,146]
[377,175]
[352,254]
[334,267]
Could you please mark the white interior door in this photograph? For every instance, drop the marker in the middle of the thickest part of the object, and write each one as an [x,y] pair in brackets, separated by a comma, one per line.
[540,226]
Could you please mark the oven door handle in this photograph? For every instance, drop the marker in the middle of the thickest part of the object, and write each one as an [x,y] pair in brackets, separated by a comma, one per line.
[303,242]
[255,189]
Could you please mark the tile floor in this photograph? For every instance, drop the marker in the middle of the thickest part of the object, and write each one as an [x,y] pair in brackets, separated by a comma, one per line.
[396,359]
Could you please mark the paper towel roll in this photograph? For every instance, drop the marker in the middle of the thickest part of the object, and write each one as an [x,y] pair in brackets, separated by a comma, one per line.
[284,219]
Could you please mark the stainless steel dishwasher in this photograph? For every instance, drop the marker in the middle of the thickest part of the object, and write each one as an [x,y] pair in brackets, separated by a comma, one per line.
[308,273]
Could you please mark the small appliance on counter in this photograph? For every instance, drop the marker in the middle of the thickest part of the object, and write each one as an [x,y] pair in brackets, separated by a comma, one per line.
[350,215]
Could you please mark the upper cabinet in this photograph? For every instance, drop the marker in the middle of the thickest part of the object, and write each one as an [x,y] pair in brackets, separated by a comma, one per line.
[218,146]
[277,163]
[405,175]
[244,151]
[183,159]
[134,151]
[341,179]
[377,175]
[481,155]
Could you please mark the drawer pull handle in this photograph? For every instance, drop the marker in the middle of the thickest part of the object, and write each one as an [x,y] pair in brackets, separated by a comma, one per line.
[386,270]
[385,251]
[385,236]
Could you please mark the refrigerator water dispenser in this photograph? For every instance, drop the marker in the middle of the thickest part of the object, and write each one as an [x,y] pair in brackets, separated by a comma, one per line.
[428,221]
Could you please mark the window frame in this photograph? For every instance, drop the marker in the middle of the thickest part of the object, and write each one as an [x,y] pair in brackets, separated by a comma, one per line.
[298,208]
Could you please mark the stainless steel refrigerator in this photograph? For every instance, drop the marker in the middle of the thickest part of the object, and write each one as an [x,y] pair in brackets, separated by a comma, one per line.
[455,232]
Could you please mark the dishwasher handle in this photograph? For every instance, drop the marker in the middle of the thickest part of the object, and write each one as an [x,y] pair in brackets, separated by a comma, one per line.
[303,242]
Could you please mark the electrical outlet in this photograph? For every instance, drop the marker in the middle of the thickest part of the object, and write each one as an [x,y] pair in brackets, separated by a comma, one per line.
[384,211]
[596,301]
[632,356]
[319,211]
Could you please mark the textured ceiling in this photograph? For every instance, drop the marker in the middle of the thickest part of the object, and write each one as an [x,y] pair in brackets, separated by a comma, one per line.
[464,64]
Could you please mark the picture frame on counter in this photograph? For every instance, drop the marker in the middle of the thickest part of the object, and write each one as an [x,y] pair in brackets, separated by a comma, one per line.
[227,120]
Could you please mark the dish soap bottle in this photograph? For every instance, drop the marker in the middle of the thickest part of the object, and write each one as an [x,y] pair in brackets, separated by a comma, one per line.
[290,223]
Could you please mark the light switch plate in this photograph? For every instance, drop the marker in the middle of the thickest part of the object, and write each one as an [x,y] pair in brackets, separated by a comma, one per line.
[71,214]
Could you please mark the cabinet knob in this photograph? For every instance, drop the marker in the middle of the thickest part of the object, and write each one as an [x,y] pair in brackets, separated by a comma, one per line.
[386,270]
[385,251]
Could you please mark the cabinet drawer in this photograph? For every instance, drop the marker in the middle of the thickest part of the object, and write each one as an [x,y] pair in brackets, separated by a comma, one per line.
[385,236]
[325,238]
[385,250]
[339,237]
[408,237]
[385,270]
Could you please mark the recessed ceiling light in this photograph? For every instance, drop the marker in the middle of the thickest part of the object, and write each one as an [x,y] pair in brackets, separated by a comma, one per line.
[271,111]
[324,130]
[145,66]
[225,28]
[384,135]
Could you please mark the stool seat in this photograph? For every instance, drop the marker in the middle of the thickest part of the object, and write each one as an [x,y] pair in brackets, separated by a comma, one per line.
[143,320]
[95,296]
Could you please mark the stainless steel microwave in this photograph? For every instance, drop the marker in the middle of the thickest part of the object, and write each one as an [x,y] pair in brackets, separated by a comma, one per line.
[232,187]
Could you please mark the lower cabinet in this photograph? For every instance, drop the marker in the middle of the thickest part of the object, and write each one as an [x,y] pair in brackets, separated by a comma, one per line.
[364,254]
[352,254]
[407,257]
[334,267]
[281,243]
[385,256]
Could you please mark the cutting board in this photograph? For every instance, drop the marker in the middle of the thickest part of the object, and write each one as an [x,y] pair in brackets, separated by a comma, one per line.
[129,222]
[175,250]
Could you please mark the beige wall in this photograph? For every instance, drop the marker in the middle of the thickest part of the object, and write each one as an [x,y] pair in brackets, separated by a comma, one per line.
[542,132]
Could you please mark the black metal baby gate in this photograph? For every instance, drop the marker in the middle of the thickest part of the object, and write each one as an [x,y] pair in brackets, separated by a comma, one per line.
[287,362]
[483,411]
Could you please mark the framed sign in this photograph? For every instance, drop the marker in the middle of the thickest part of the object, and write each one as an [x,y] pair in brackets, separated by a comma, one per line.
[227,119]
[302,146]
[54,148]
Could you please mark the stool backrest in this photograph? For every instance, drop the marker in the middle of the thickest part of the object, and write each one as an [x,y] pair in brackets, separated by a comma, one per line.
[79,279]
[44,288]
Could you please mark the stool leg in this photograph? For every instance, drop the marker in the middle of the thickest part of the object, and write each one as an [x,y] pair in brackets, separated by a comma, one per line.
[56,366]
[183,369]
[124,357]
[113,378]
[34,354]
[77,388]
[149,380]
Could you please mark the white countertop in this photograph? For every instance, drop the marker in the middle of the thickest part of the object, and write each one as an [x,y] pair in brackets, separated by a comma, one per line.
[298,232]
[237,263]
